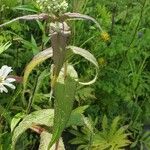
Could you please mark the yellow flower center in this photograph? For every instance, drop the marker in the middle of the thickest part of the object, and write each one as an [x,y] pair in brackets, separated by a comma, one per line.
[1,79]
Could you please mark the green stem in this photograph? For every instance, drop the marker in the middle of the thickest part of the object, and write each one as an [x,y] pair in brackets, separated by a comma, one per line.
[138,24]
[87,40]
[5,114]
[31,99]
[18,91]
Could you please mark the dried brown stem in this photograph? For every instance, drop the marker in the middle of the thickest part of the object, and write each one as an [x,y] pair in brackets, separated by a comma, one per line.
[37,129]
[57,145]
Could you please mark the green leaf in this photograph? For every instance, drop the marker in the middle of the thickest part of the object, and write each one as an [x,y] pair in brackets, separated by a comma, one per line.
[45,117]
[39,58]
[34,45]
[41,117]
[87,55]
[115,124]
[89,124]
[64,98]
[105,123]
[77,117]
[70,71]
[145,140]
[104,139]
[4,47]
[29,8]
[111,136]
[4,112]
[16,120]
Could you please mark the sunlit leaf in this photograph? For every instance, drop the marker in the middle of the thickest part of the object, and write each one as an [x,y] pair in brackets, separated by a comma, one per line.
[84,17]
[45,117]
[16,120]
[39,58]
[87,55]
[42,117]
[4,47]
[44,141]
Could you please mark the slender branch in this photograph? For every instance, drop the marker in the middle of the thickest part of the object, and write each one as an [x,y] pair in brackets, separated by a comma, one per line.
[91,38]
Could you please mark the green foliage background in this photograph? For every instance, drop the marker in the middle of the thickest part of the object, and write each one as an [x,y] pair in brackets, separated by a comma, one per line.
[123,85]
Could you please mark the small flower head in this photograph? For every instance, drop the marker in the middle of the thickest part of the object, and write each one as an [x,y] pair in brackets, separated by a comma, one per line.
[53,6]
[105,36]
[102,62]
[5,80]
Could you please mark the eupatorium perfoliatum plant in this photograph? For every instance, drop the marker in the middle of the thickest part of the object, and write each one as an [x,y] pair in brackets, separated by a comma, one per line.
[64,78]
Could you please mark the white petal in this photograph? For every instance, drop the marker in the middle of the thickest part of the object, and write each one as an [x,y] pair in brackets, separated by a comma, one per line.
[10,80]
[2,88]
[9,85]
[5,90]
[4,71]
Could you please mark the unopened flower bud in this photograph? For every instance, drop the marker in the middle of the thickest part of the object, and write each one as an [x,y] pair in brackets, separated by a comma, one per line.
[53,6]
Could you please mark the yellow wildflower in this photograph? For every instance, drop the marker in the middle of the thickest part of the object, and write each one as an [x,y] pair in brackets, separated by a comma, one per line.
[102,62]
[105,36]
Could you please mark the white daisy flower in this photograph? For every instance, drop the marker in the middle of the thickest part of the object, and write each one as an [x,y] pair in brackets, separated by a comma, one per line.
[4,80]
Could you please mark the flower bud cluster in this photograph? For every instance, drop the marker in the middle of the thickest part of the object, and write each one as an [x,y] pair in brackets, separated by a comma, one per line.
[53,6]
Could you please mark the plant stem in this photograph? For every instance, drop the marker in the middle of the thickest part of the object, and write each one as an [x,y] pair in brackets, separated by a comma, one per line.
[31,99]
[138,24]
[57,145]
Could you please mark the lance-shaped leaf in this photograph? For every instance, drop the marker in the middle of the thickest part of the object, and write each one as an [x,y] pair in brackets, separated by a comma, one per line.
[16,119]
[45,117]
[41,16]
[83,17]
[87,55]
[4,47]
[64,97]
[39,58]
